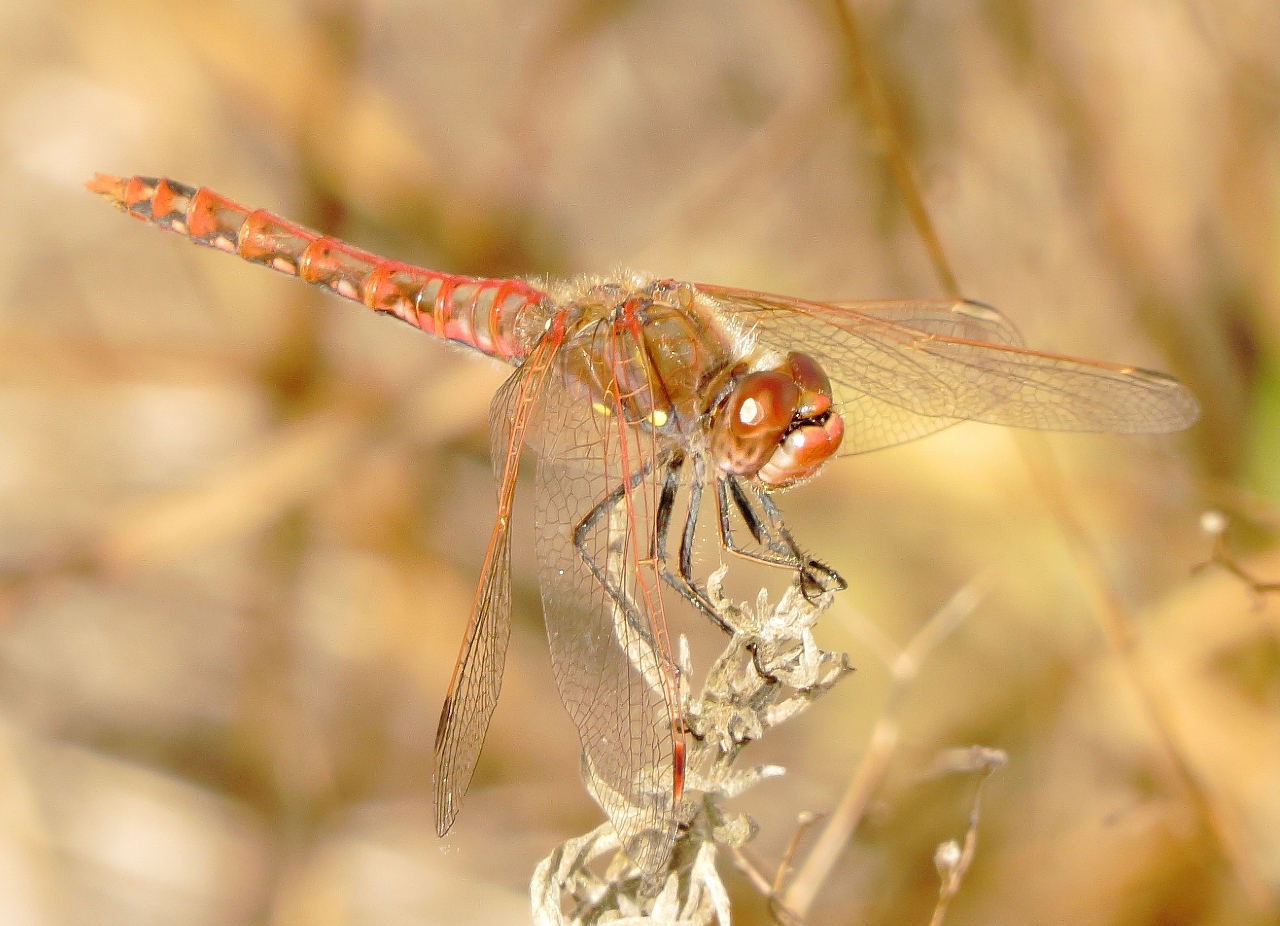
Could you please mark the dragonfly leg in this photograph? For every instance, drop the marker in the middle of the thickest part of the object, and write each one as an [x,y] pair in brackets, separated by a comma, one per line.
[765,525]
[682,580]
[816,578]
[602,510]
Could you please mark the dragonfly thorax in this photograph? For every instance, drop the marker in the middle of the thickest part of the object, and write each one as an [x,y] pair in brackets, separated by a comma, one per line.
[647,353]
[658,356]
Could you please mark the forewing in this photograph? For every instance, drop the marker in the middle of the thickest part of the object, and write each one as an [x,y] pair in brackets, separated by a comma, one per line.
[477,675]
[596,504]
[952,318]
[904,369]
[873,423]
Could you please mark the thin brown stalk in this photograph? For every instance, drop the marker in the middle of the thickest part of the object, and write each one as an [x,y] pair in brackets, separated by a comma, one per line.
[1214,523]
[867,90]
[1113,618]
[800,894]
[1107,606]
[953,859]
[777,145]
[285,471]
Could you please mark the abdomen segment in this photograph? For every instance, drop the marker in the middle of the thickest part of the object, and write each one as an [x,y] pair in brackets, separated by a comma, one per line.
[480,313]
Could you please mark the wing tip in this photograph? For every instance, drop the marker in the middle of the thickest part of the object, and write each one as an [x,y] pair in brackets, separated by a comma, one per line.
[1183,407]
[446,810]
[1188,413]
[448,797]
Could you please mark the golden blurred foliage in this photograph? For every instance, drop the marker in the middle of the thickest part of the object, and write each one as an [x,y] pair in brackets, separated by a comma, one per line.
[240,520]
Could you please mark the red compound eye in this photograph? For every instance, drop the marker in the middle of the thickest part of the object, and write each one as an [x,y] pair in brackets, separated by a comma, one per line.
[815,387]
[802,452]
[752,420]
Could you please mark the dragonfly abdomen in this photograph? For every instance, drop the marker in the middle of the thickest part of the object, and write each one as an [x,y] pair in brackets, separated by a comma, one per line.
[481,313]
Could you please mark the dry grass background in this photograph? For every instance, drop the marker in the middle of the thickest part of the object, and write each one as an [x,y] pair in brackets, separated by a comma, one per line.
[240,521]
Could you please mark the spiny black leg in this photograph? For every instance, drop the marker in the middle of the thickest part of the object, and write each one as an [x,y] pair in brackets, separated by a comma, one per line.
[749,518]
[726,486]
[815,577]
[769,531]
[690,530]
[825,574]
[602,508]
[666,503]
[683,581]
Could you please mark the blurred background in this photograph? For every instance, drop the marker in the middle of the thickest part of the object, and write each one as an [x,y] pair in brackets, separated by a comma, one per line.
[241,521]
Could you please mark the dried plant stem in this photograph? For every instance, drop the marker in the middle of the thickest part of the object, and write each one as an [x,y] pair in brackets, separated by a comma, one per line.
[770,671]
[1214,523]
[1107,607]
[290,467]
[775,147]
[1114,621]
[903,668]
[868,91]
[953,859]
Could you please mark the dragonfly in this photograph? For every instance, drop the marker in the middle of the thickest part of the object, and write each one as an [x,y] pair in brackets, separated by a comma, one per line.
[629,390]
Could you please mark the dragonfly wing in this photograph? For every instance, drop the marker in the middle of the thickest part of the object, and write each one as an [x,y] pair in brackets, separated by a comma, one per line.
[954,318]
[612,658]
[477,675]
[903,369]
[872,423]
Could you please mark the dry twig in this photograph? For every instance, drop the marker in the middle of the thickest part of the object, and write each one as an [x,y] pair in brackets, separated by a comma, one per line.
[770,671]
[903,668]
[1110,611]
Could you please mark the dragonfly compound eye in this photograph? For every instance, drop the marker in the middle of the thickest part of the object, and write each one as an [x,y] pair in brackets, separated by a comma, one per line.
[814,433]
[803,451]
[815,387]
[751,421]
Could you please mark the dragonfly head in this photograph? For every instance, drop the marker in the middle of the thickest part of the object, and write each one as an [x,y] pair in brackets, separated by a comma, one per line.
[776,426]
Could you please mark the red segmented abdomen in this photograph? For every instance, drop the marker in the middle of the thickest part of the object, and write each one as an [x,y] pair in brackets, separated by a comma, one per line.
[480,313]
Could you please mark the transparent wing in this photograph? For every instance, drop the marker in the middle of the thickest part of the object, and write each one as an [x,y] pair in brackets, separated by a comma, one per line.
[477,675]
[611,654]
[905,369]
[952,318]
[871,422]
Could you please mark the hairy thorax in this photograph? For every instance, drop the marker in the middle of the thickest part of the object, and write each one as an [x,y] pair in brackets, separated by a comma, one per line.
[653,353]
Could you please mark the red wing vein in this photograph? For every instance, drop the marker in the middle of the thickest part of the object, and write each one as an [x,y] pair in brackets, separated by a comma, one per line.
[905,369]
[477,675]
[608,638]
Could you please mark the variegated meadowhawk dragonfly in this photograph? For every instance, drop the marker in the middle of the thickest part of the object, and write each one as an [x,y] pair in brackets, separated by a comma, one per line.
[629,388]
